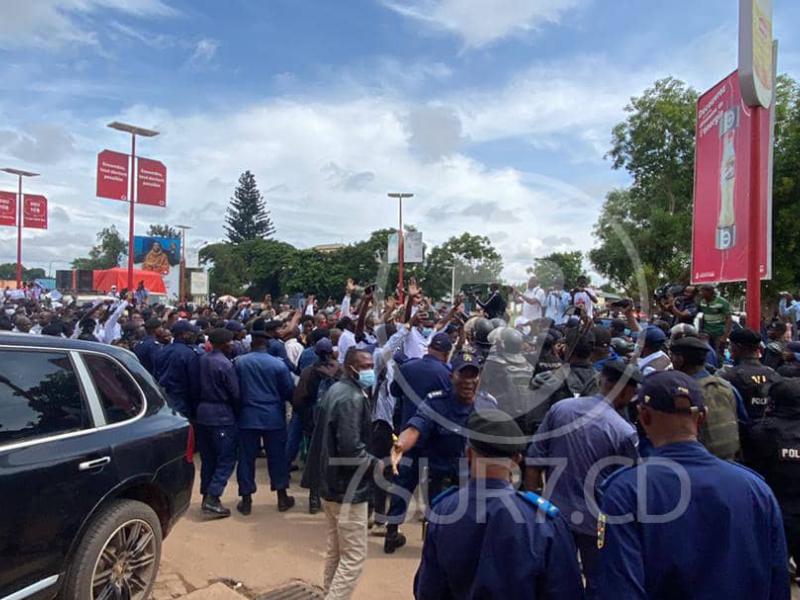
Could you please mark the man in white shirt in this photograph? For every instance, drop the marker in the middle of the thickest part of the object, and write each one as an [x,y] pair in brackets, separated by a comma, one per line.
[557,303]
[532,303]
[583,297]
[348,337]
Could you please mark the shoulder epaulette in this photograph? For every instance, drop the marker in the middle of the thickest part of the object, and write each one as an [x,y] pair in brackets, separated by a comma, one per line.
[540,503]
[436,394]
[442,495]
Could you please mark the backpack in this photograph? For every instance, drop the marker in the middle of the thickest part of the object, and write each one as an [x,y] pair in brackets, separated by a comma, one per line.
[720,430]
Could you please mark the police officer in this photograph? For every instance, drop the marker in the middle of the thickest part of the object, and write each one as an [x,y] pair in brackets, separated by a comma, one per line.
[216,421]
[239,344]
[576,436]
[266,387]
[719,432]
[478,342]
[683,523]
[147,349]
[177,367]
[438,427]
[772,447]
[275,347]
[413,381]
[748,375]
[507,376]
[486,540]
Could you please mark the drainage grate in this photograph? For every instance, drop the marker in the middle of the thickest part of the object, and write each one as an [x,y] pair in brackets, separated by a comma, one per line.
[296,590]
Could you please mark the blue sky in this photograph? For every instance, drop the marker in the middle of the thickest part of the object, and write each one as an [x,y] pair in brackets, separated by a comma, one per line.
[496,113]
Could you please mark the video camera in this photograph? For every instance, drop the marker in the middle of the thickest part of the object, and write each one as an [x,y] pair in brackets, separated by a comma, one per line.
[668,290]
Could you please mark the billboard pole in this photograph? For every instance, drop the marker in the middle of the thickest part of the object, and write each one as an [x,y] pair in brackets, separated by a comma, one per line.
[20,214]
[131,214]
[400,244]
[754,256]
[134,131]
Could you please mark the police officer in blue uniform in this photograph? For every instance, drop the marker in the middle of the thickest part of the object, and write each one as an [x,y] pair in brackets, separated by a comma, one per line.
[216,421]
[147,350]
[266,387]
[683,523]
[438,427]
[416,379]
[487,540]
[177,368]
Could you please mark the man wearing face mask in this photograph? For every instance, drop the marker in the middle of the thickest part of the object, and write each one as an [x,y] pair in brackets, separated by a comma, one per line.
[439,428]
[337,455]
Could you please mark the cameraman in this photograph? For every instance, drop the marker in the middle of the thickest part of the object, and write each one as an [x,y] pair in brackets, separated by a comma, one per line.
[684,307]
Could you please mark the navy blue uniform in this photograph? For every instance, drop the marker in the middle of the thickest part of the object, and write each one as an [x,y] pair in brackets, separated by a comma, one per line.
[266,387]
[146,351]
[416,379]
[277,349]
[499,546]
[216,422]
[441,421]
[176,372]
[728,542]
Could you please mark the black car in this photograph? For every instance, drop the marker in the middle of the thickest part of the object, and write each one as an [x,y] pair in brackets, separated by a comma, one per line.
[95,469]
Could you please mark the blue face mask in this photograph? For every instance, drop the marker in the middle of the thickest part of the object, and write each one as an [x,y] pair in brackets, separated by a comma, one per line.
[366,378]
[427,331]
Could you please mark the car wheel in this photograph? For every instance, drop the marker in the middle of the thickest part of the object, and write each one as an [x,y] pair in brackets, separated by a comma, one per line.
[118,556]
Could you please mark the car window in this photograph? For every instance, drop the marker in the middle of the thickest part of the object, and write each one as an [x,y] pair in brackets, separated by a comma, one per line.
[119,395]
[39,396]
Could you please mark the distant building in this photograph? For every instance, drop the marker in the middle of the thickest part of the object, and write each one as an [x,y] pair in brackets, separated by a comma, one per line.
[327,248]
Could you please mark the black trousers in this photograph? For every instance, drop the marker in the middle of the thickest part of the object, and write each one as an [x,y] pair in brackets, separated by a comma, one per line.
[381,446]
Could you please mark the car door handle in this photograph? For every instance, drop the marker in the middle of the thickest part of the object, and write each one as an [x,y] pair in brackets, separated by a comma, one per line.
[90,465]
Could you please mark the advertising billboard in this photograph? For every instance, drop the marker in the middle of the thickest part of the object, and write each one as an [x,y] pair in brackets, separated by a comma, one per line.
[151,187]
[721,210]
[112,175]
[34,212]
[8,208]
[755,52]
[412,247]
[159,255]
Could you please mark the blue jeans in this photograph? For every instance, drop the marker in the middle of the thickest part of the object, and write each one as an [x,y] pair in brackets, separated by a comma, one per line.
[277,465]
[217,447]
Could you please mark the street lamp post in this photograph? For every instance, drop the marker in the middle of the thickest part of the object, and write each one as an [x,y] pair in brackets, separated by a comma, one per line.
[20,174]
[182,284]
[401,255]
[134,131]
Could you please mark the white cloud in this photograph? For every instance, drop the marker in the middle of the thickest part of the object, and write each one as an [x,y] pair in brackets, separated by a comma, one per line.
[481,22]
[204,52]
[55,23]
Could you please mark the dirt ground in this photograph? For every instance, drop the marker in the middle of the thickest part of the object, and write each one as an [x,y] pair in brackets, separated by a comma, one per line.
[269,548]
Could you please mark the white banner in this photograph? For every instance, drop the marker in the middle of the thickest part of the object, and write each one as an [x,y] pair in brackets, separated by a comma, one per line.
[412,247]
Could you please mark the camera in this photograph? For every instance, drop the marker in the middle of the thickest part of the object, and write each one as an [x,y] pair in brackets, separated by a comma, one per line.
[668,289]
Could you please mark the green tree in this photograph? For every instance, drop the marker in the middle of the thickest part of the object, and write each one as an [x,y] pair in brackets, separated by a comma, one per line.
[785,192]
[474,258]
[106,253]
[247,217]
[165,231]
[8,271]
[652,218]
[558,267]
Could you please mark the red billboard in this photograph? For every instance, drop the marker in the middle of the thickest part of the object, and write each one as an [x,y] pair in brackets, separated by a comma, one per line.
[34,212]
[721,215]
[8,208]
[151,185]
[112,175]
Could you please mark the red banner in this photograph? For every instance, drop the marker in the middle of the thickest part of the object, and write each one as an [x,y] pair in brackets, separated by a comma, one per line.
[112,175]
[8,208]
[720,244]
[151,185]
[34,212]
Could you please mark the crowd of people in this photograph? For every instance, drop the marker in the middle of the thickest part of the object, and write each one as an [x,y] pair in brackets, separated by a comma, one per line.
[562,452]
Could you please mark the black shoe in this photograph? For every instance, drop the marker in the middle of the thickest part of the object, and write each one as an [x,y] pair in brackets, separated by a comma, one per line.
[393,541]
[285,502]
[245,505]
[213,507]
[314,504]
[294,468]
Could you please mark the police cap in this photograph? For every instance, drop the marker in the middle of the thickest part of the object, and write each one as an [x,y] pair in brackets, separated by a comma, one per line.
[671,392]
[745,337]
[465,360]
[182,327]
[234,326]
[441,342]
[617,370]
[493,433]
[688,344]
[152,324]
